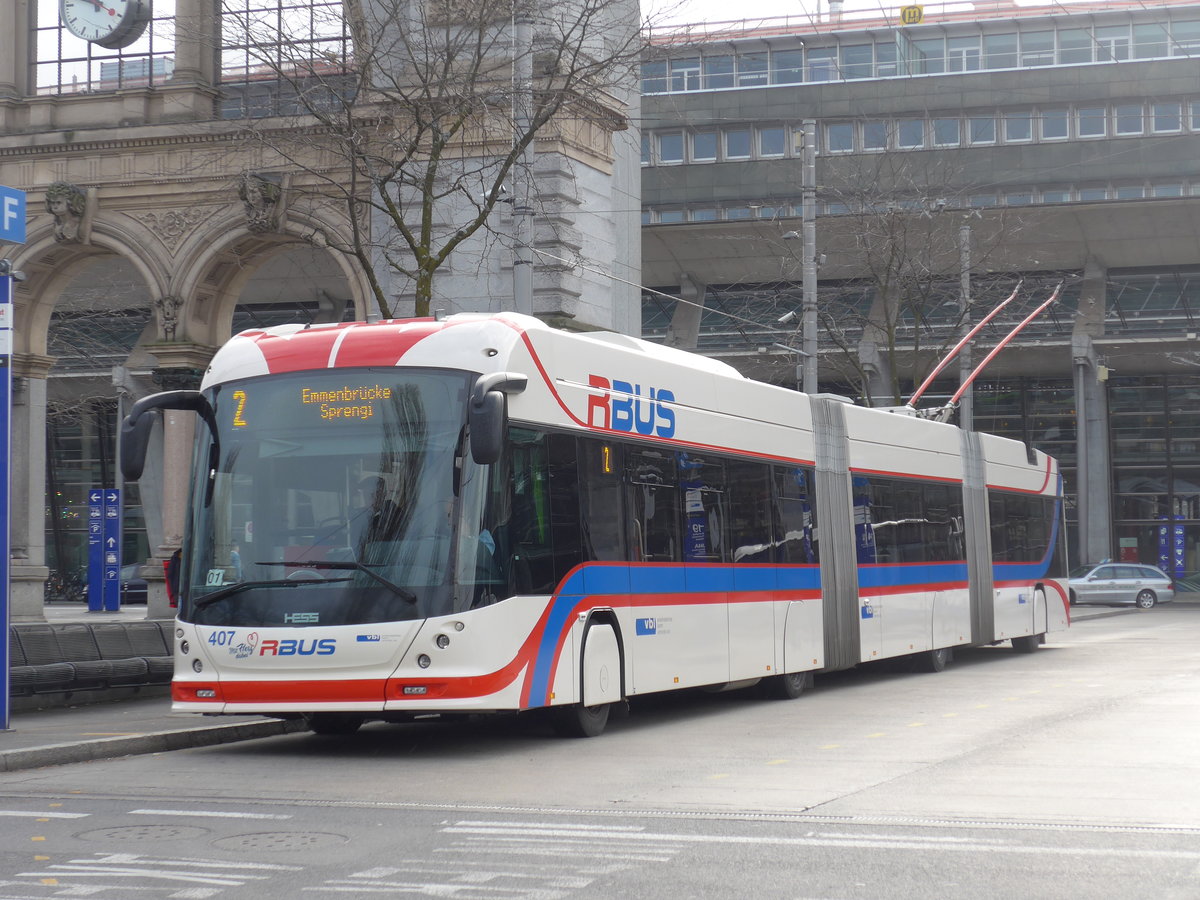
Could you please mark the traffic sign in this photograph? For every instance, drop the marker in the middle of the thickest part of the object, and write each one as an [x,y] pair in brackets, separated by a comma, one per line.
[12,215]
[104,550]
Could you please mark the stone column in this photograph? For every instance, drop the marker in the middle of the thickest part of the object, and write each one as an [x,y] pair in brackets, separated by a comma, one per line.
[182,366]
[195,30]
[14,49]
[27,527]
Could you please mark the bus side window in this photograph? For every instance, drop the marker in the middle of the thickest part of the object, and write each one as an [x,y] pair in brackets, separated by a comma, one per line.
[600,508]
[750,517]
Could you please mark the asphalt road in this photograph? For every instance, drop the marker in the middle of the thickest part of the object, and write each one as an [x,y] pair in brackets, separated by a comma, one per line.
[1071,772]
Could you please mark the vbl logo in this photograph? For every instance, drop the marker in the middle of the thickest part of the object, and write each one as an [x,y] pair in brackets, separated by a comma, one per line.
[622,408]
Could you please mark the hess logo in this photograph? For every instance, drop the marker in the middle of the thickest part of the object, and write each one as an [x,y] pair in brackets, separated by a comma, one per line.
[623,407]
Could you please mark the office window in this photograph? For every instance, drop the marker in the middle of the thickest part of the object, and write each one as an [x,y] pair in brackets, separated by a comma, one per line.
[647,217]
[646,154]
[1018,198]
[875,135]
[654,77]
[1074,46]
[704,146]
[839,137]
[1037,48]
[1056,195]
[963,54]
[739,212]
[981,201]
[1194,109]
[787,66]
[705,214]
[685,74]
[1185,38]
[999,51]
[772,141]
[670,216]
[1129,191]
[752,69]
[927,57]
[822,64]
[737,143]
[1166,190]
[1092,194]
[1018,126]
[670,147]
[1166,117]
[1149,41]
[910,134]
[718,72]
[1112,43]
[886,60]
[1091,121]
[981,129]
[1055,124]
[1128,118]
[946,132]
[858,61]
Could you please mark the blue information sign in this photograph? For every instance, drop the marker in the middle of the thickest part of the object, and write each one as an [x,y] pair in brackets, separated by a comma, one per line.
[104,550]
[112,549]
[12,215]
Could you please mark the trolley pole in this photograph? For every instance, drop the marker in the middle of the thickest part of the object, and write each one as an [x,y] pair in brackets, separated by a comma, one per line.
[808,270]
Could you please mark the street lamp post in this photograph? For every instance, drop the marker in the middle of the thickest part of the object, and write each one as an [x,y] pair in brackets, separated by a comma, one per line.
[808,269]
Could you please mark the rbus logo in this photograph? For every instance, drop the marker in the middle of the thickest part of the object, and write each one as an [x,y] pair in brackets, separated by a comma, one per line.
[622,408]
[291,647]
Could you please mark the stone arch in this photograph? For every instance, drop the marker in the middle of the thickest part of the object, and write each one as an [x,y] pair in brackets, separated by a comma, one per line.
[51,267]
[217,265]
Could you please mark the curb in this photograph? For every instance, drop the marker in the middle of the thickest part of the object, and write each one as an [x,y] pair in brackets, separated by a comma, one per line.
[133,745]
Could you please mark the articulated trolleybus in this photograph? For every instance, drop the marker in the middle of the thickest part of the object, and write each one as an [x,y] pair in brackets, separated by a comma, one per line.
[484,514]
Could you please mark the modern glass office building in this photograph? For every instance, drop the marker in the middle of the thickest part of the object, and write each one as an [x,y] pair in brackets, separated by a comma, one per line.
[962,151]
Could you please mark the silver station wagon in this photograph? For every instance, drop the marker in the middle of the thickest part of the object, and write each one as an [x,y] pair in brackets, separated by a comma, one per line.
[1121,583]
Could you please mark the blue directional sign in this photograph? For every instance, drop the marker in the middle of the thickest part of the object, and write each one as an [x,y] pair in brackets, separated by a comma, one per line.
[112,549]
[104,550]
[12,215]
[95,550]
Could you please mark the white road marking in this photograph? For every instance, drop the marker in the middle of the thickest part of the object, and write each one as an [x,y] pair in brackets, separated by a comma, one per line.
[212,814]
[28,814]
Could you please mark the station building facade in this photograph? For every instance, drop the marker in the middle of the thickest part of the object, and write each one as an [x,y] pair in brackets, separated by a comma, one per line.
[963,152]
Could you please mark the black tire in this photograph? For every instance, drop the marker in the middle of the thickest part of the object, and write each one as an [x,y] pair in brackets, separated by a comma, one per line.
[933,660]
[1027,644]
[580,721]
[334,723]
[1146,599]
[788,686]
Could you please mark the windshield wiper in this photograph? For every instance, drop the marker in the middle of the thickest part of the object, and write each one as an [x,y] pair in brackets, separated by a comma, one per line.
[355,566]
[240,586]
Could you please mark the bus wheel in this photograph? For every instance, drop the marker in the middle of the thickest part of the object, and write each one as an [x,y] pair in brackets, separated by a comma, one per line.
[334,723]
[788,686]
[933,660]
[578,720]
[1027,644]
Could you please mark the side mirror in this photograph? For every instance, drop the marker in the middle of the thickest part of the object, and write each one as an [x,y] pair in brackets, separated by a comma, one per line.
[135,429]
[486,413]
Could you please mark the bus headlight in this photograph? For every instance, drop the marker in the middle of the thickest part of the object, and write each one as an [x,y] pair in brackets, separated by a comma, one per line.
[197,666]
[423,661]
[443,641]
[184,647]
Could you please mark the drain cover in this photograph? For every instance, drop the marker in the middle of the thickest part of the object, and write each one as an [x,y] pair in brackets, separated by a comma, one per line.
[280,840]
[144,833]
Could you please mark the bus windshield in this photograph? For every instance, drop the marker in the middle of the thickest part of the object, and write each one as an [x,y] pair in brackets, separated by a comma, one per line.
[328,497]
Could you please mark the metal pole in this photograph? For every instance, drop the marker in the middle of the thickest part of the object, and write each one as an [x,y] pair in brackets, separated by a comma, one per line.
[966,410]
[523,176]
[6,339]
[808,198]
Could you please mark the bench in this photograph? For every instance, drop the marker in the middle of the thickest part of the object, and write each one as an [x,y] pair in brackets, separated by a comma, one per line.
[55,664]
